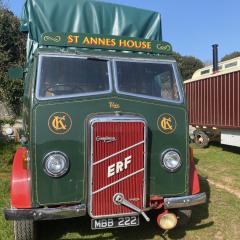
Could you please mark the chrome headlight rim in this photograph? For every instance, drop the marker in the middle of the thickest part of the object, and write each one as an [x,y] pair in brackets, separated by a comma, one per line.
[63,171]
[163,163]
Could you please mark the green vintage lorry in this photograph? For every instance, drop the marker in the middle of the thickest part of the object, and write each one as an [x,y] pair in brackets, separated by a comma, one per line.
[105,121]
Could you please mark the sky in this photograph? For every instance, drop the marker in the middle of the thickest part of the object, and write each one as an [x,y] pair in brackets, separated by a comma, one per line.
[191,26]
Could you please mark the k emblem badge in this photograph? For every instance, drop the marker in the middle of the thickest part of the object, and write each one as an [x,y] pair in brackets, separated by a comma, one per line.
[167,123]
[60,123]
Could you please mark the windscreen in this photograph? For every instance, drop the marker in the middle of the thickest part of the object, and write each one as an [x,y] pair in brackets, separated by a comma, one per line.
[149,80]
[67,76]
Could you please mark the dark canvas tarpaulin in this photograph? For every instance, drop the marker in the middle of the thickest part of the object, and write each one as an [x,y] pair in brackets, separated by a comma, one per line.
[89,16]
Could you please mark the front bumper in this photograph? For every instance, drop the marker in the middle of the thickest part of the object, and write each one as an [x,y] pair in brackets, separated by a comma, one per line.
[186,201]
[39,214]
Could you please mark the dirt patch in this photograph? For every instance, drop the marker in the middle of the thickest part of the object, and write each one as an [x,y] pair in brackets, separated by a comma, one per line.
[219,236]
[228,180]
[225,187]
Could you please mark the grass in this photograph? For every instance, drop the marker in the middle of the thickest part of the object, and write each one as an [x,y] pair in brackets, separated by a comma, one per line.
[6,155]
[7,151]
[218,219]
[224,167]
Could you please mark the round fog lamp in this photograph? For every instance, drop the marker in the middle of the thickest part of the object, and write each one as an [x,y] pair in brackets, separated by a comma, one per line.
[56,164]
[167,221]
[171,160]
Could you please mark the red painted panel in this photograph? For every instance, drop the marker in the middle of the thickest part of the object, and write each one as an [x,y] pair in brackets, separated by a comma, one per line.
[193,176]
[237,98]
[117,169]
[231,100]
[215,101]
[20,182]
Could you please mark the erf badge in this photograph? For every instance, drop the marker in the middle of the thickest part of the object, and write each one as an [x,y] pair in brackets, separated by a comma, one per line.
[60,123]
[167,123]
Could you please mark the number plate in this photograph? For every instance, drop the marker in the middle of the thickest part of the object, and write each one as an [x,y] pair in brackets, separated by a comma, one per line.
[115,222]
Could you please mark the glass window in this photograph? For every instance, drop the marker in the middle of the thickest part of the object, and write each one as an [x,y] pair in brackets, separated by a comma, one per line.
[205,71]
[154,80]
[67,76]
[232,64]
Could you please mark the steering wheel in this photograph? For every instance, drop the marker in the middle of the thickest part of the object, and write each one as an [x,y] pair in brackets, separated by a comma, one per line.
[62,88]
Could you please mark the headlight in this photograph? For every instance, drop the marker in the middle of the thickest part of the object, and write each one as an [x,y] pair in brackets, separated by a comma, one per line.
[171,160]
[56,164]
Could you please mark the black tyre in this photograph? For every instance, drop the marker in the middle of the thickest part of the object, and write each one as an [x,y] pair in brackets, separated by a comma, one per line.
[184,217]
[201,139]
[24,230]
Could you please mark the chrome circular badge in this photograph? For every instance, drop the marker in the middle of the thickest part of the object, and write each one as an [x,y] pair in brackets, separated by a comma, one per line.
[166,123]
[60,123]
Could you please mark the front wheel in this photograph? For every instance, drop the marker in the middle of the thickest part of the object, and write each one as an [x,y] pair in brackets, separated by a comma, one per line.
[24,230]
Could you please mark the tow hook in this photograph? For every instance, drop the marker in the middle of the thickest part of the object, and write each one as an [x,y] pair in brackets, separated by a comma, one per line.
[119,199]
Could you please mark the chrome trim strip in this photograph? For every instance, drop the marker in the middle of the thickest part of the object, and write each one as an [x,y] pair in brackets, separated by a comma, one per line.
[129,56]
[186,201]
[120,180]
[115,154]
[38,214]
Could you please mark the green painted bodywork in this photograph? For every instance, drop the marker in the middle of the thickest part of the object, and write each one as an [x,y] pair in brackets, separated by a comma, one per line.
[92,17]
[110,42]
[73,187]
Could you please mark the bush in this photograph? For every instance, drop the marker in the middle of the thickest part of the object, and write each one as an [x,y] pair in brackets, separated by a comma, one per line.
[12,53]
[230,56]
[187,65]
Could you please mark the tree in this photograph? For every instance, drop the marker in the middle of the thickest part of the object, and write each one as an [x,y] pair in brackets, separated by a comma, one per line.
[12,53]
[187,65]
[230,56]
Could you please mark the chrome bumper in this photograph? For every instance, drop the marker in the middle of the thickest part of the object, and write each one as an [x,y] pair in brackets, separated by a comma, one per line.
[38,214]
[186,201]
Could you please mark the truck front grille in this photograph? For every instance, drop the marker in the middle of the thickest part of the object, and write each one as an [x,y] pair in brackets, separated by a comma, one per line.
[117,165]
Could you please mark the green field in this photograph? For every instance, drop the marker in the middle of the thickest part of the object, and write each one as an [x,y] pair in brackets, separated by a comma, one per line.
[218,219]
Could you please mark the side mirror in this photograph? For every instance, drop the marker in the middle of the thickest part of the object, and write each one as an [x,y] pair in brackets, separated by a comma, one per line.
[15,73]
[24,27]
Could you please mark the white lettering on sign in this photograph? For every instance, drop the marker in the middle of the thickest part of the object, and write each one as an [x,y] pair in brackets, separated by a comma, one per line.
[119,166]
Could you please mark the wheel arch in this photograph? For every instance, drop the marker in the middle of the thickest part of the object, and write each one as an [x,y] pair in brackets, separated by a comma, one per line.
[194,185]
[20,181]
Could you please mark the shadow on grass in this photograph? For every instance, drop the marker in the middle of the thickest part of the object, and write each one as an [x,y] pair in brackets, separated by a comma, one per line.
[81,228]
[199,213]
[226,148]
[231,149]
[196,160]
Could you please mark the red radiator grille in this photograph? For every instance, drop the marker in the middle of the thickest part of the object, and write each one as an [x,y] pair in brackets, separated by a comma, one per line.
[117,166]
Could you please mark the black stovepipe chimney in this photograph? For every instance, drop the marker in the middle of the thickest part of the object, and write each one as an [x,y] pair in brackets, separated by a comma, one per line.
[215,57]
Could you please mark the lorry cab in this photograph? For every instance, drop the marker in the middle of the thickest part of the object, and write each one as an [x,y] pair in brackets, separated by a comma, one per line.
[106,134]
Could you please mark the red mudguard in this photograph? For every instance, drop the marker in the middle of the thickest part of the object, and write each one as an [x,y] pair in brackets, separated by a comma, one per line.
[20,182]
[193,176]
